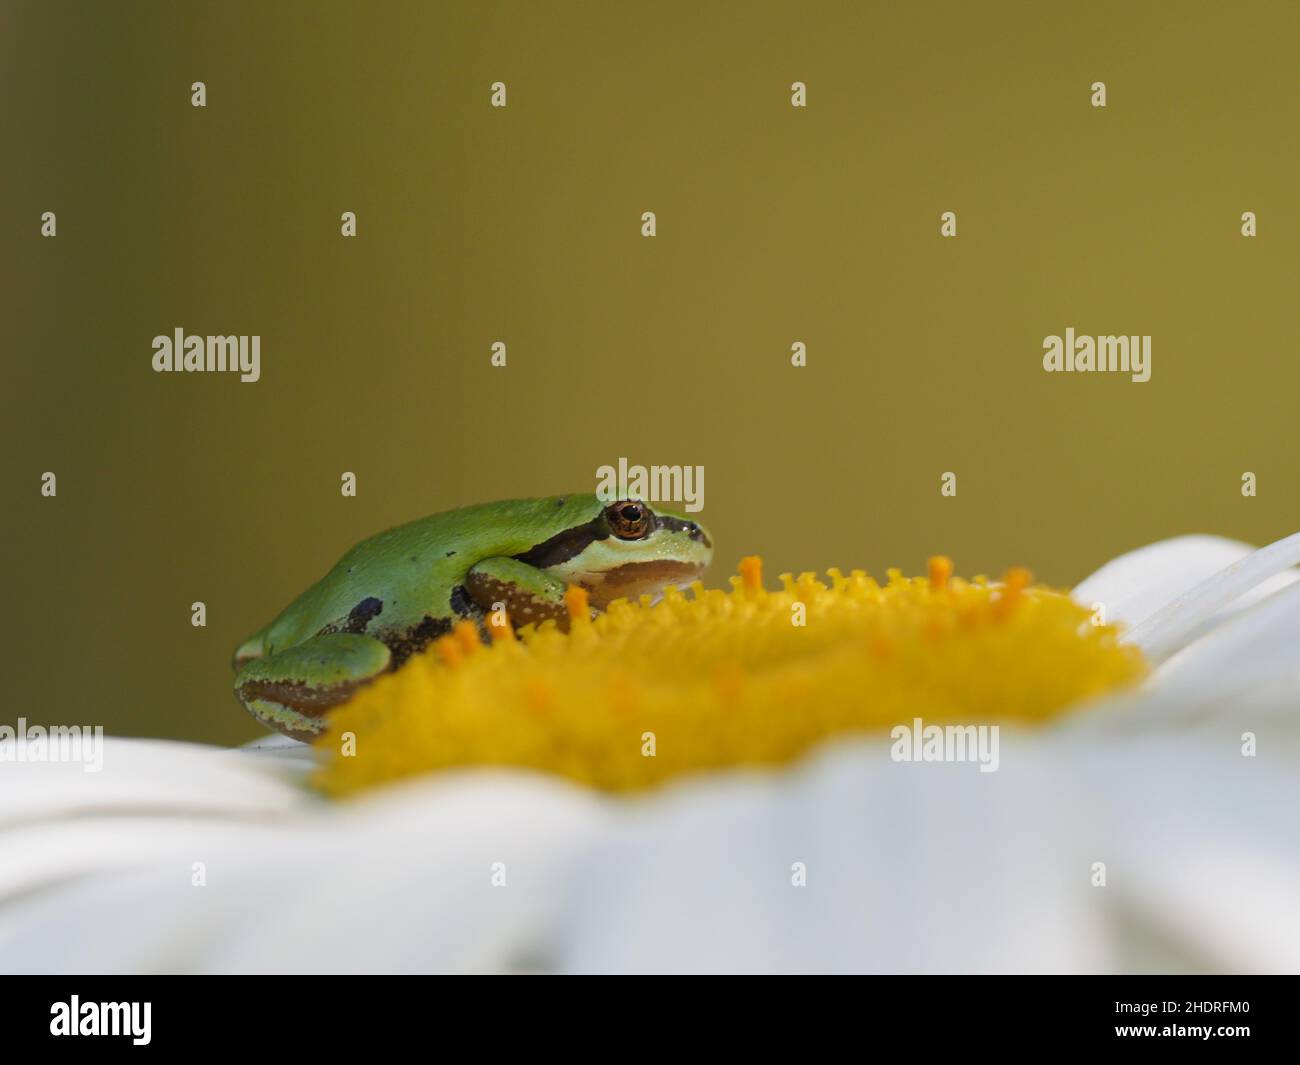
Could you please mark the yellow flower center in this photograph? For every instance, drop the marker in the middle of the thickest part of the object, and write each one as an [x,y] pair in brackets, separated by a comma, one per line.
[716,679]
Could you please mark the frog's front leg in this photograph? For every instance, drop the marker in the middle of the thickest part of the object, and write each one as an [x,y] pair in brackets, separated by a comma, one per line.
[291,690]
[530,595]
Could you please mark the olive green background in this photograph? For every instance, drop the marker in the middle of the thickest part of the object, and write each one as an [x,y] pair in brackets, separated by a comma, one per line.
[523,225]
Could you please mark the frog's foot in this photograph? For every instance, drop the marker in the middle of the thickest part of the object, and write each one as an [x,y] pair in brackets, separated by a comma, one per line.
[291,690]
[529,594]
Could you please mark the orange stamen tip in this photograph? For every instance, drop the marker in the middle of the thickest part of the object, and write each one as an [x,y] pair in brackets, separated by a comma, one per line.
[466,633]
[751,572]
[1016,581]
[499,627]
[1019,578]
[940,572]
[449,650]
[575,601]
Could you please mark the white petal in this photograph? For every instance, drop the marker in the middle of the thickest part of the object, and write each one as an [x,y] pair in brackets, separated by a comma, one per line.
[293,756]
[910,868]
[1243,671]
[42,855]
[1257,649]
[399,882]
[1202,849]
[1135,585]
[274,741]
[1178,621]
[145,775]
[937,868]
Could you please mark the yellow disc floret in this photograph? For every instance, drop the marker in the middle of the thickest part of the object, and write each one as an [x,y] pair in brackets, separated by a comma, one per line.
[715,679]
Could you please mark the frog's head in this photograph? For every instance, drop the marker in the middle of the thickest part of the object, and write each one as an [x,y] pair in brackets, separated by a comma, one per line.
[628,549]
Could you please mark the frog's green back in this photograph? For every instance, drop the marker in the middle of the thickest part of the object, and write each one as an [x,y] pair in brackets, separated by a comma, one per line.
[414,570]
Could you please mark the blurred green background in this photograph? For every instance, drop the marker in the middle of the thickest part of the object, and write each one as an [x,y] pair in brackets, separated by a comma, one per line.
[523,225]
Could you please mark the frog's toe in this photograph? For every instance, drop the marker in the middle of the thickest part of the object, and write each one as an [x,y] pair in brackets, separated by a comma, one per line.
[291,691]
[285,719]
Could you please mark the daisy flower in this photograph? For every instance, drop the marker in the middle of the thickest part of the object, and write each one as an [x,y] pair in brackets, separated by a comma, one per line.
[714,783]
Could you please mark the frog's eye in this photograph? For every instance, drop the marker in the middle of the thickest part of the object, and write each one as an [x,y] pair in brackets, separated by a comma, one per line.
[629,520]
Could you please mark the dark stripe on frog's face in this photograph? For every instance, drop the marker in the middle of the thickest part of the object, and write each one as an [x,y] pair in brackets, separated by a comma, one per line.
[570,543]
[566,545]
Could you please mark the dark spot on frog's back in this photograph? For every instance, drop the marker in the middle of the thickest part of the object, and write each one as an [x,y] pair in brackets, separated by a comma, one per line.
[363,614]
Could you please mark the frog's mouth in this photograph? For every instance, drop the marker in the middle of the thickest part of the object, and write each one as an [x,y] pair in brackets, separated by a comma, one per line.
[633,579]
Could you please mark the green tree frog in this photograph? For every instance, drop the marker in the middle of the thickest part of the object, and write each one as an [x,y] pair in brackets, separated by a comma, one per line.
[393,593]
